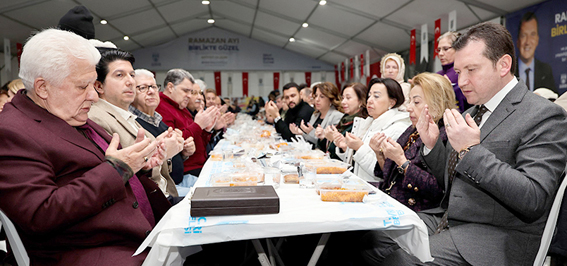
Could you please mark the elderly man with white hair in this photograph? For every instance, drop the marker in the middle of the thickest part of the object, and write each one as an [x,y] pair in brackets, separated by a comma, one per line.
[144,107]
[75,197]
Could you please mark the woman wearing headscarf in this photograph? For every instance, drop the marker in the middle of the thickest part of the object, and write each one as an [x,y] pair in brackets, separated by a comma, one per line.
[392,66]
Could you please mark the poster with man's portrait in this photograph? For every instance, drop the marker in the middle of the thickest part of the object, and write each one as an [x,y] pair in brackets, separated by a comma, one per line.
[540,36]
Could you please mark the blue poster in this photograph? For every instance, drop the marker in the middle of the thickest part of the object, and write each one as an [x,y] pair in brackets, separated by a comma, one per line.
[540,36]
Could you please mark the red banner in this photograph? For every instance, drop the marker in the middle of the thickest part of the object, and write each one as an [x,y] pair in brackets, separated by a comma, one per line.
[437,35]
[245,83]
[19,48]
[218,83]
[276,80]
[308,78]
[343,70]
[351,66]
[412,48]
[337,82]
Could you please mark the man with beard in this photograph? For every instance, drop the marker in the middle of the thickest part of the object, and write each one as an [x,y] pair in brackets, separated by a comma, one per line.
[298,111]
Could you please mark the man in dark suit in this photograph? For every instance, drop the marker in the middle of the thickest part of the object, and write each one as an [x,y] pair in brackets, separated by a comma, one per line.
[500,176]
[536,74]
[298,111]
[68,188]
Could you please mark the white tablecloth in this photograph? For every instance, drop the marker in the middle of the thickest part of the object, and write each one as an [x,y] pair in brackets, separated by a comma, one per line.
[178,234]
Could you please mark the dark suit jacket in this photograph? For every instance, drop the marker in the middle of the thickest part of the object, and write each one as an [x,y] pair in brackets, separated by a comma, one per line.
[500,199]
[543,75]
[69,207]
[301,112]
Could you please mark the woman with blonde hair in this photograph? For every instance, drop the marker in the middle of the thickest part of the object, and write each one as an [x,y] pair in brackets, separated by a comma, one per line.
[328,111]
[13,87]
[392,66]
[406,177]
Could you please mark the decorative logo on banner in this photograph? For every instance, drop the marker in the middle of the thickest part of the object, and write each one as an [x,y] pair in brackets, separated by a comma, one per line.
[218,88]
[308,78]
[245,83]
[437,35]
[337,81]
[424,44]
[276,80]
[412,48]
[453,20]
[155,59]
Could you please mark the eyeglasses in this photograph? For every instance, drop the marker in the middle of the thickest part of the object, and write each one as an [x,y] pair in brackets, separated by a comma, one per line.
[444,49]
[143,88]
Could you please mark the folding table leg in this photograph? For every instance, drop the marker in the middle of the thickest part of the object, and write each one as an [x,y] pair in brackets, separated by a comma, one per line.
[261,254]
[319,249]
[274,253]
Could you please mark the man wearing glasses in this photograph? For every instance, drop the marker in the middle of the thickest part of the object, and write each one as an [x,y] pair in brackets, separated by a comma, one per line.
[144,107]
[178,95]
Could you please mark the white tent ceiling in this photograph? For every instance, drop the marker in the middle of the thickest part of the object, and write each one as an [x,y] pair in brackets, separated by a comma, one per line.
[338,30]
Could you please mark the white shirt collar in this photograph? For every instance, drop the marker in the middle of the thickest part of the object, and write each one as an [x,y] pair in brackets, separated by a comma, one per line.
[499,96]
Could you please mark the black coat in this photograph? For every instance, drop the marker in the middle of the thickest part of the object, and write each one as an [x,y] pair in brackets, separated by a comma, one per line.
[302,111]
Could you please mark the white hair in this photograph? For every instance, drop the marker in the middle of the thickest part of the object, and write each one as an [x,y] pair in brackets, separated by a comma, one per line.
[201,84]
[51,54]
[144,72]
[99,43]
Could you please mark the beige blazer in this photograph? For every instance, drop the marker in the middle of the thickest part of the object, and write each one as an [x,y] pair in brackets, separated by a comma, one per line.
[106,116]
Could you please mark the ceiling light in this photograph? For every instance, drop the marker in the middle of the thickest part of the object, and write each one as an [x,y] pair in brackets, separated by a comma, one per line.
[305,25]
[103,21]
[205,2]
[292,39]
[126,37]
[322,2]
[211,21]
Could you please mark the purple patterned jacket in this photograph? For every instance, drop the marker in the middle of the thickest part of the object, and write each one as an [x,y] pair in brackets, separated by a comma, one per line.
[418,189]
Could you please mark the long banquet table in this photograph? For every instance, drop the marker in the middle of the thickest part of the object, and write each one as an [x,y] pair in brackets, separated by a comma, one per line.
[178,234]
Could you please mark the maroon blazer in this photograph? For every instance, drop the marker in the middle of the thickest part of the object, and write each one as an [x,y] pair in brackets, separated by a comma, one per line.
[70,207]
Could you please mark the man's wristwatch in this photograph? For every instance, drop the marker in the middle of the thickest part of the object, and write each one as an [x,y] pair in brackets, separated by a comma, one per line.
[402,169]
[465,150]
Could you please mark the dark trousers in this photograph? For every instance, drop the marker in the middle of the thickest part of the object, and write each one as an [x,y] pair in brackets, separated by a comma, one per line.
[379,249]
